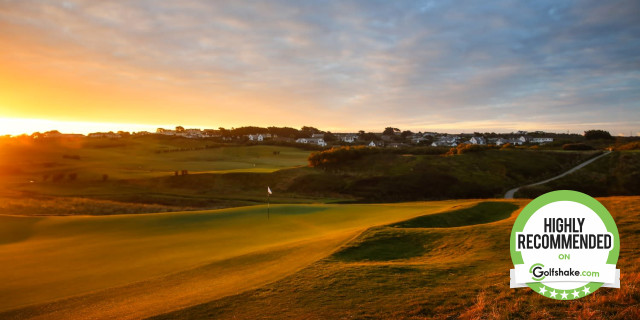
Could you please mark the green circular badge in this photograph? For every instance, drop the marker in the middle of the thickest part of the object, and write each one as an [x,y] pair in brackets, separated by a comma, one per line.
[565,245]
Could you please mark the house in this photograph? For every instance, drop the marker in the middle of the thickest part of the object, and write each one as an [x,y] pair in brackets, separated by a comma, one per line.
[167,132]
[318,141]
[349,138]
[444,143]
[523,139]
[541,140]
[191,133]
[478,140]
[502,141]
[375,144]
[103,135]
[317,135]
[256,137]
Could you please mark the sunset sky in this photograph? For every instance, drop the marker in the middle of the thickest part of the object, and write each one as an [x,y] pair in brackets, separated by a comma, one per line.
[450,66]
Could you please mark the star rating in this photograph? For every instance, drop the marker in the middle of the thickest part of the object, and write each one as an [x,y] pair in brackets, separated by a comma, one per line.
[586,290]
[576,293]
[564,295]
[553,293]
[542,290]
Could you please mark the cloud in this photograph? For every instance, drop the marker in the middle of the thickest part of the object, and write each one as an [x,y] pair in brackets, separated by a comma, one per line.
[423,63]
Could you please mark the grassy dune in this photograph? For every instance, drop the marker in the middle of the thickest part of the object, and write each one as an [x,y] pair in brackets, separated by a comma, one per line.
[415,271]
[128,266]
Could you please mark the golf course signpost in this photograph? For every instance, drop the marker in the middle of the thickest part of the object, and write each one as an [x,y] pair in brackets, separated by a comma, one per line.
[565,246]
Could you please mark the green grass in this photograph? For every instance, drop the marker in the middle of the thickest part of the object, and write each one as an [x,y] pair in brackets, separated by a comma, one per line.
[159,259]
[140,174]
[139,157]
[399,241]
[463,272]
[481,213]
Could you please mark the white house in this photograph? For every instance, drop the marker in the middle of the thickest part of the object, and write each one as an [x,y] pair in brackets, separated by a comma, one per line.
[478,140]
[318,141]
[541,140]
[349,138]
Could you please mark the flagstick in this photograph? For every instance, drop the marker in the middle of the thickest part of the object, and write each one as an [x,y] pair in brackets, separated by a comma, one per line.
[268,205]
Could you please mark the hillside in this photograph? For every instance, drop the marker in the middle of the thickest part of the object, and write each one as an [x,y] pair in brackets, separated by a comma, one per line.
[137,175]
[422,270]
[384,177]
[615,174]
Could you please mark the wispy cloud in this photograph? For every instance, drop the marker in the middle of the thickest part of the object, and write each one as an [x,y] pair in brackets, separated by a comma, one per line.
[358,64]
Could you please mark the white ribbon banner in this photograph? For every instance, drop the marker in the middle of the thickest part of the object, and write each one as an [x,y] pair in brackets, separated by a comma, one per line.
[607,274]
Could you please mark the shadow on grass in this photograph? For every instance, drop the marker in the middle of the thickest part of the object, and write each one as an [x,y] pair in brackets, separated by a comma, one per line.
[484,212]
[406,240]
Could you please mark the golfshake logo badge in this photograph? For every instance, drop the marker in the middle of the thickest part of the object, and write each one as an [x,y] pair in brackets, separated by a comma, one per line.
[565,245]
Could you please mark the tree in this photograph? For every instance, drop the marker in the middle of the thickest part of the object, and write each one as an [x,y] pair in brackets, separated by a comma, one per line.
[597,135]
[389,131]
[405,134]
[369,137]
[179,129]
[329,137]
[310,129]
[360,132]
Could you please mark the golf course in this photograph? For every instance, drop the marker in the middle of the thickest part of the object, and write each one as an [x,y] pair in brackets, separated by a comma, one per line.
[130,266]
[385,235]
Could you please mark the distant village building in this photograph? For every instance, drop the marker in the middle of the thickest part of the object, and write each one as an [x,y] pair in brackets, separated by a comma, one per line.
[191,133]
[478,140]
[103,135]
[318,141]
[349,138]
[166,132]
[446,141]
[541,140]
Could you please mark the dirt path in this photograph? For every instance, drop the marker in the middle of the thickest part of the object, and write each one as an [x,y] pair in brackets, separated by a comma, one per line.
[512,192]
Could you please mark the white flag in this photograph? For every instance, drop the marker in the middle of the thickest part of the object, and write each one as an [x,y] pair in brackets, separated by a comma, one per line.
[269,190]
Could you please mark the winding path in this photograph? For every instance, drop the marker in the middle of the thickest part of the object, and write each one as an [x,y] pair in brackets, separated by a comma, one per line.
[510,193]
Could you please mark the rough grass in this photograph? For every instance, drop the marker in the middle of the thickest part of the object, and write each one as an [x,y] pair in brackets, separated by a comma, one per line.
[463,274]
[481,213]
[130,266]
[615,174]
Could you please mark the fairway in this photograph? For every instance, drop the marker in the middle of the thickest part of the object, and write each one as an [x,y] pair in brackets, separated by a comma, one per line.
[140,157]
[128,266]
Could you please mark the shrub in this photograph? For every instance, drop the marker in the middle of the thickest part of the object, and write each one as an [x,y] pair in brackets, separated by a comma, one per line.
[597,134]
[628,146]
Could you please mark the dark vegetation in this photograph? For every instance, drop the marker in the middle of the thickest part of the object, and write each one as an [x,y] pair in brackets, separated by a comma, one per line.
[615,174]
[381,175]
